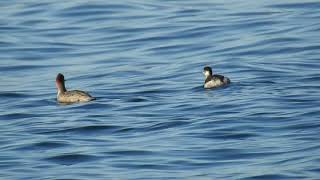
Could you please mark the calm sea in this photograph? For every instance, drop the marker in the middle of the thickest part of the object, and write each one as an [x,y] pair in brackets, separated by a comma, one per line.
[152,119]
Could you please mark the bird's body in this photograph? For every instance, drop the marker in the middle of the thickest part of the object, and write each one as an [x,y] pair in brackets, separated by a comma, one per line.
[64,96]
[213,81]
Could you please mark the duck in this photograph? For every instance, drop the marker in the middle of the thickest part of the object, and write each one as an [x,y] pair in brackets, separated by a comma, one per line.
[214,80]
[74,96]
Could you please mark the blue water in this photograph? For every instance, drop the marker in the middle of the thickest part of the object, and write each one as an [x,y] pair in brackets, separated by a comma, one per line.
[152,119]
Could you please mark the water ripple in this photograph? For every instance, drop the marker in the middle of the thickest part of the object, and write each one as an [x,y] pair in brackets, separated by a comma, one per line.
[71,159]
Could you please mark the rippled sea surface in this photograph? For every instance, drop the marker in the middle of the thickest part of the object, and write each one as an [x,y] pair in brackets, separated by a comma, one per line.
[152,119]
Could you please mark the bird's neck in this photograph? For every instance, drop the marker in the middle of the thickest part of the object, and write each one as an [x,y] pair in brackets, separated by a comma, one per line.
[208,78]
[61,87]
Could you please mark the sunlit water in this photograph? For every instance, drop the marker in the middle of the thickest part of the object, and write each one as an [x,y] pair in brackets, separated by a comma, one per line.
[152,119]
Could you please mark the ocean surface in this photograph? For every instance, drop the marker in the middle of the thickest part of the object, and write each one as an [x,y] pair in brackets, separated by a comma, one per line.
[152,119]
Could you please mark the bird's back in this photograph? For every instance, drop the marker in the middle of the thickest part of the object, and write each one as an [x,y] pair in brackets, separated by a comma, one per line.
[217,80]
[75,96]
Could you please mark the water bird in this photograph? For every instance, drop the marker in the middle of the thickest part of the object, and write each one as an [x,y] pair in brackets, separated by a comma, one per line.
[64,96]
[214,80]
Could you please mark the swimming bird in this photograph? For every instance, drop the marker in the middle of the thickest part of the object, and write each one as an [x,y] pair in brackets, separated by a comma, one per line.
[214,80]
[64,96]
